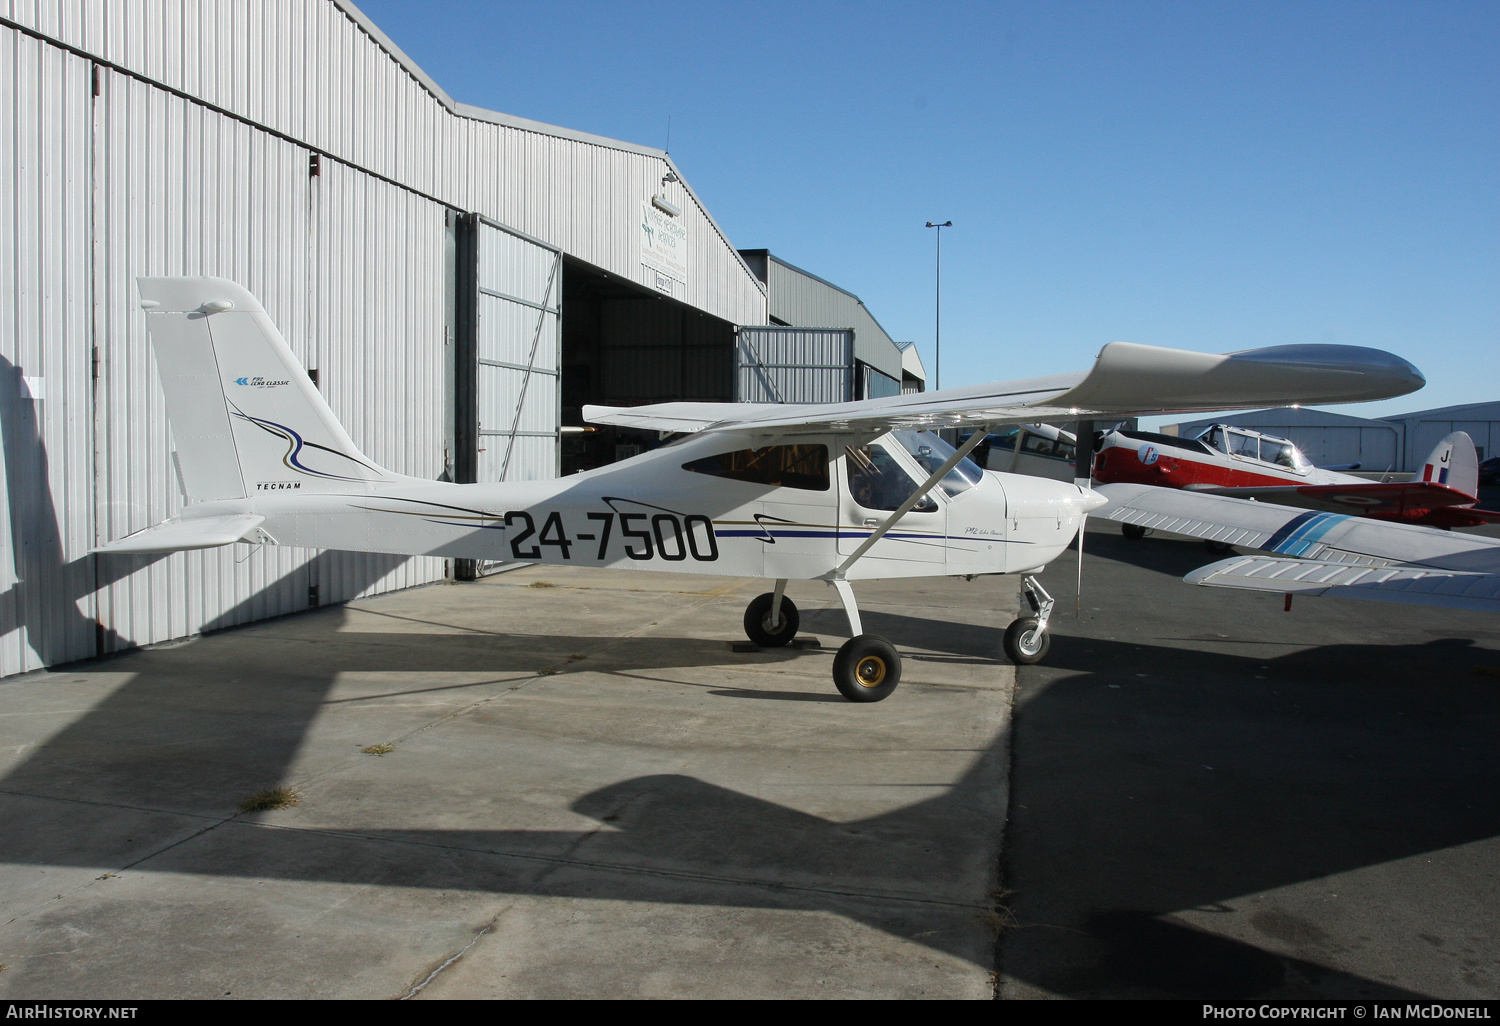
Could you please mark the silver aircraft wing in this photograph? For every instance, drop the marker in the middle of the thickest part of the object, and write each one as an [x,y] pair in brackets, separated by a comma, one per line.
[1319,553]
[1126,380]
[1415,585]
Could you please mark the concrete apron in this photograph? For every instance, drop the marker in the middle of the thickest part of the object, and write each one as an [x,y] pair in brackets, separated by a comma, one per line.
[589,794]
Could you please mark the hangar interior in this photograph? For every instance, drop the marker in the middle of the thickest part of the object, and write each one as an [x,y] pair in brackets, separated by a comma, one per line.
[626,345]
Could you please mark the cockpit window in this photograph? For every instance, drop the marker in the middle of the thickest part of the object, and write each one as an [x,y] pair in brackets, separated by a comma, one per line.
[780,466]
[1247,445]
[932,452]
[1284,454]
[877,481]
[1241,444]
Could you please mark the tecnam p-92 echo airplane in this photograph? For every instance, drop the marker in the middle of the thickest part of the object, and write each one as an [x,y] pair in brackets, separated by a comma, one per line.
[835,492]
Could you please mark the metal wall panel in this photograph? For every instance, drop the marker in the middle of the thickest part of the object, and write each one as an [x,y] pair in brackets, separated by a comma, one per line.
[181,190]
[519,284]
[380,342]
[794,365]
[311,70]
[799,298]
[178,189]
[46,574]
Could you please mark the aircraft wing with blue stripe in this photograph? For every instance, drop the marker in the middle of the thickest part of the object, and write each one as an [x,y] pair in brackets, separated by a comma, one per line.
[1319,553]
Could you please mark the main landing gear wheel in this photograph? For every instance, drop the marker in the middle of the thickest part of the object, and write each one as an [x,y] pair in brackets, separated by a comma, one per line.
[1027,641]
[1135,532]
[760,629]
[867,669]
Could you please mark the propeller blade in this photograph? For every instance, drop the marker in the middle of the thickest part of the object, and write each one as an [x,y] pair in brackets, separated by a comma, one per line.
[1078,588]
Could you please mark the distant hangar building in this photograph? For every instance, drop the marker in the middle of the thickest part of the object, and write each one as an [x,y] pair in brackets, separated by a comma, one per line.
[458,283]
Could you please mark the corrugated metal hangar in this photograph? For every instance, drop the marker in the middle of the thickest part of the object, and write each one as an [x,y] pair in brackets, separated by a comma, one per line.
[458,283]
[1392,443]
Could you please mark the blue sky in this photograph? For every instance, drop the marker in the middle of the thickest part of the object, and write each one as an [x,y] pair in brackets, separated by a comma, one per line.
[1214,176]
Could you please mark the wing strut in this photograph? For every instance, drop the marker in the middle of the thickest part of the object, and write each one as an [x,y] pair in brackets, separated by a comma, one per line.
[915,497]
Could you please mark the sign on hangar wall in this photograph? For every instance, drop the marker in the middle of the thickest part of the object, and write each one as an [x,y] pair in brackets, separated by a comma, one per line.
[663,243]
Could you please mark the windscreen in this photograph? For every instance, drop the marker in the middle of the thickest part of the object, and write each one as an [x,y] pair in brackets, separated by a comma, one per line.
[931,452]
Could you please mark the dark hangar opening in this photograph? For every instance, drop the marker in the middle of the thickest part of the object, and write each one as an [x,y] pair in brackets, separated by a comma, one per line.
[627,345]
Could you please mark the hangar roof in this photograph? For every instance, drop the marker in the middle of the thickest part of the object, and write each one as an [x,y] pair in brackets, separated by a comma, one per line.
[1466,411]
[802,299]
[467,110]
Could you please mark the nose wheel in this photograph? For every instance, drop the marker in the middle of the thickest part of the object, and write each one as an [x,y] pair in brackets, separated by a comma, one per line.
[1026,639]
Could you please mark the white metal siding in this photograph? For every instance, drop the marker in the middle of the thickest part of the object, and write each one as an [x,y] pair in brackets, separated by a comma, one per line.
[46,575]
[181,190]
[308,70]
[380,342]
[520,284]
[798,298]
[794,365]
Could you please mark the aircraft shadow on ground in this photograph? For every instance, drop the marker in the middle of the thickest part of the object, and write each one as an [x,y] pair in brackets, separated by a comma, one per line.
[1159,552]
[1220,776]
[1223,833]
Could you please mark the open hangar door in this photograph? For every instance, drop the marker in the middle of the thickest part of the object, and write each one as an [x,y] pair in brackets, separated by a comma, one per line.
[627,345]
[505,374]
[797,365]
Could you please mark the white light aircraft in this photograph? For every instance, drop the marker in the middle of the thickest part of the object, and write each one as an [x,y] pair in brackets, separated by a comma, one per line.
[1316,553]
[835,492]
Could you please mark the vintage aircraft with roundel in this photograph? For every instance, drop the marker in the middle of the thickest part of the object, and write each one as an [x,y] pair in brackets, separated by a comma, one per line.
[836,492]
[1243,464]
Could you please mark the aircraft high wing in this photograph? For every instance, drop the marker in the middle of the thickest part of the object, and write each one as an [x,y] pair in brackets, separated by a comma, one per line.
[836,492]
[1314,553]
[1127,379]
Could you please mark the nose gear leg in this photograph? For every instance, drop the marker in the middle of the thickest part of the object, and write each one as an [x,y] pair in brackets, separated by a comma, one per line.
[1037,598]
[1026,639]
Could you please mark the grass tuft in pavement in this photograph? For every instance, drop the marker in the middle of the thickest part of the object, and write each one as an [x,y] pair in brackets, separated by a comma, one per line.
[271,798]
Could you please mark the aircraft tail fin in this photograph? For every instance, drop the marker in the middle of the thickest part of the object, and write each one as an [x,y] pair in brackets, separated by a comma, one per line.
[1453,463]
[245,416]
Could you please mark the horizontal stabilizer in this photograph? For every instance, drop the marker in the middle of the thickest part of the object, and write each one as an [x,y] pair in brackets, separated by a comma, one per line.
[1417,585]
[196,533]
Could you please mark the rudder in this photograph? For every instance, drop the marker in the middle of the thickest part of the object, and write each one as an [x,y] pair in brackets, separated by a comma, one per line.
[1454,463]
[245,416]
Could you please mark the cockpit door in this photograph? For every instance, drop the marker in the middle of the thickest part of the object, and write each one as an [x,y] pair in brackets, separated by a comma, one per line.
[874,480]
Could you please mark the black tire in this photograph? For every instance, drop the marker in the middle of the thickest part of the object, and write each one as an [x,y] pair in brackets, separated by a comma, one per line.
[1135,532]
[757,622]
[1219,548]
[1024,643]
[867,669]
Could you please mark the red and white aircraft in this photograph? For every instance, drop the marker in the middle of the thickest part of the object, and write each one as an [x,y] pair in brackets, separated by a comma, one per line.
[1246,464]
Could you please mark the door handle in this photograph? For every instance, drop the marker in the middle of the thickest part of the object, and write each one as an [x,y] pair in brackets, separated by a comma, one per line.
[871,522]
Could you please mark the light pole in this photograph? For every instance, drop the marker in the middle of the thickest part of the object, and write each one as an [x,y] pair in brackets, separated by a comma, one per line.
[937,370]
